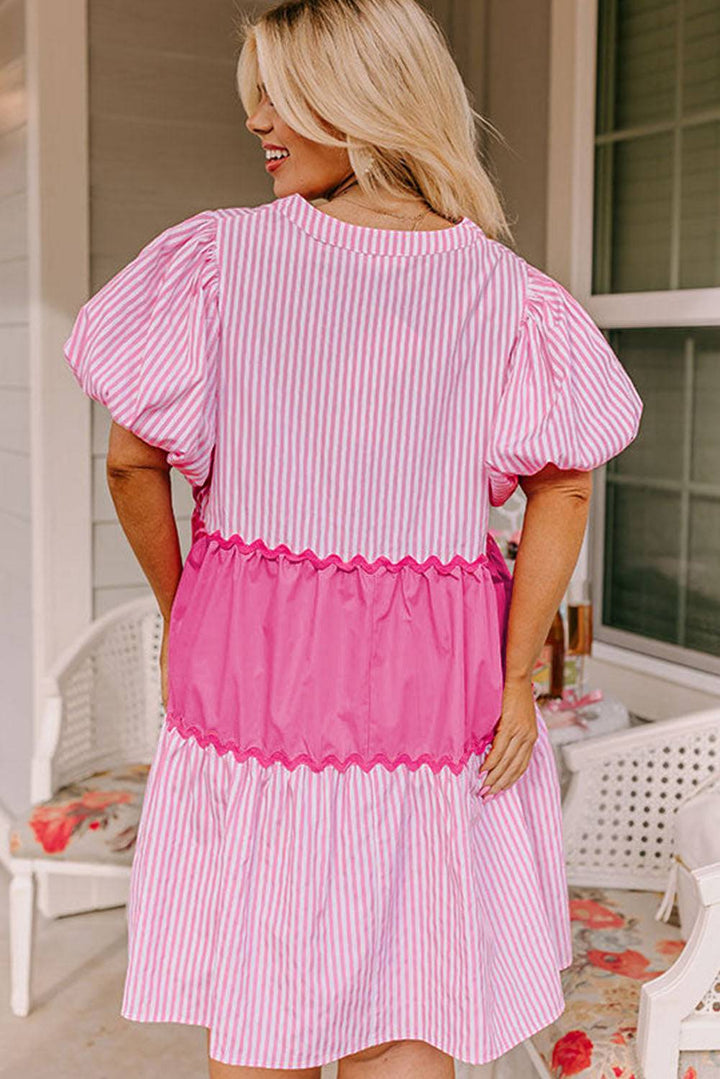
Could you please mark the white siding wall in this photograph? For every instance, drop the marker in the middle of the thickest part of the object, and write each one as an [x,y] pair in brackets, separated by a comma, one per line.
[167,138]
[517,95]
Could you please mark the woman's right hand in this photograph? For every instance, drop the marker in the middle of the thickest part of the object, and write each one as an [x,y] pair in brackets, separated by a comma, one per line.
[515,736]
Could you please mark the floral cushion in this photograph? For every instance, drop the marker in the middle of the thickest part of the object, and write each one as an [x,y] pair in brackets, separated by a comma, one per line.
[617,945]
[91,820]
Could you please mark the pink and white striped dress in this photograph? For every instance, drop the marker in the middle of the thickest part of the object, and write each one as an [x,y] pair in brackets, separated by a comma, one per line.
[315,871]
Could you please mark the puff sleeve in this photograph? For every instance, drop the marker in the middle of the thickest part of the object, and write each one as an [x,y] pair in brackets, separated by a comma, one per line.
[566,398]
[146,345]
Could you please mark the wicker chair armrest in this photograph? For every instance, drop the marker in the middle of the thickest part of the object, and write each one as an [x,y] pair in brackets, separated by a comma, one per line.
[105,668]
[90,641]
[679,1009]
[623,792]
[707,878]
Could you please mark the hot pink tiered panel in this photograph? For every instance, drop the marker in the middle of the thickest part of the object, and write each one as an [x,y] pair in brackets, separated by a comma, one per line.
[285,656]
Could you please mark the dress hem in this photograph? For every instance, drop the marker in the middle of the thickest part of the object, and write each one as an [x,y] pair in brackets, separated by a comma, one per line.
[380,1039]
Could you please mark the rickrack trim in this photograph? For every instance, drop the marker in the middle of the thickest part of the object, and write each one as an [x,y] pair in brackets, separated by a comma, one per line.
[358,561]
[206,738]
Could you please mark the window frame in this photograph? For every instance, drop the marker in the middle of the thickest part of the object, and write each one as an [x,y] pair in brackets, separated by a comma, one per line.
[570,213]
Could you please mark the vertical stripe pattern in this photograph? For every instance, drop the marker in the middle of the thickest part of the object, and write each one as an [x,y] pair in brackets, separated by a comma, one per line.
[146,345]
[363,391]
[303,915]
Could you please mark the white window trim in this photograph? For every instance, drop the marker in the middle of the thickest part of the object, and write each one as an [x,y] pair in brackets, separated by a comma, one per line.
[569,259]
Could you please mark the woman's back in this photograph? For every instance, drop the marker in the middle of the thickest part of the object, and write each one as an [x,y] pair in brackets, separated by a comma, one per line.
[355,391]
[358,372]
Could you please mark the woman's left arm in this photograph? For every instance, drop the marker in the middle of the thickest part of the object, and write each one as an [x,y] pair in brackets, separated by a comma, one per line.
[552,534]
[138,478]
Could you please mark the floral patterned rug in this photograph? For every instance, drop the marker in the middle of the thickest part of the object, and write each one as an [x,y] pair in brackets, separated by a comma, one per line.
[617,945]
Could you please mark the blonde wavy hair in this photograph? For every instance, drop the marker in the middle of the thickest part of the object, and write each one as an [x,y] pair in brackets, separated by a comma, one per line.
[377,78]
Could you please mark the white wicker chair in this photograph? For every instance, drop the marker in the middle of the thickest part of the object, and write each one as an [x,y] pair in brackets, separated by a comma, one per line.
[102,708]
[617,818]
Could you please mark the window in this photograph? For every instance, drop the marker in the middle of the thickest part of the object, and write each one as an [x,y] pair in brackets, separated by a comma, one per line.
[656,229]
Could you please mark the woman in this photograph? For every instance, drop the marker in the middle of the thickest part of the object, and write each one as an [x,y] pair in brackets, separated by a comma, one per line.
[350,847]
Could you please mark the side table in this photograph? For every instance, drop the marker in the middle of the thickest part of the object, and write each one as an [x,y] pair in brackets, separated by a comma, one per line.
[601,717]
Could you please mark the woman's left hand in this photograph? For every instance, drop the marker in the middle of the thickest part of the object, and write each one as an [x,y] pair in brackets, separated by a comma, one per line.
[514,739]
[164,662]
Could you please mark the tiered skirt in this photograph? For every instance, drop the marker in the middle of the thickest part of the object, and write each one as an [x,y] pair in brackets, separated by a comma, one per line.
[308,883]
